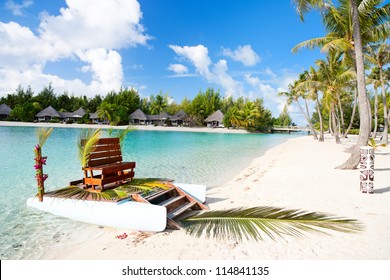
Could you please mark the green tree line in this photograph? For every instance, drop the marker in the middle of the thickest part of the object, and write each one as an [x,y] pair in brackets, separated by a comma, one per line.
[116,107]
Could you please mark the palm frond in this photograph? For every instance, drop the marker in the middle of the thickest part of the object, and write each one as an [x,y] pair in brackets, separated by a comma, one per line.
[42,135]
[338,44]
[79,193]
[372,143]
[86,141]
[313,43]
[121,134]
[144,185]
[250,223]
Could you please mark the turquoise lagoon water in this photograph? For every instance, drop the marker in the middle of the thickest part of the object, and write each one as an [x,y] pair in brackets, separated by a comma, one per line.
[199,158]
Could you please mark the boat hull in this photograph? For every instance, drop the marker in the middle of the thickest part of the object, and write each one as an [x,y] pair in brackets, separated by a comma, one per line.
[126,215]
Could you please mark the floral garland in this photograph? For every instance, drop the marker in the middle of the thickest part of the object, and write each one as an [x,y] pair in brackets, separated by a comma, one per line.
[39,162]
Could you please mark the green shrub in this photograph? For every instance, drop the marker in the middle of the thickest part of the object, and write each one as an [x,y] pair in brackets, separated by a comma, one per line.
[354,131]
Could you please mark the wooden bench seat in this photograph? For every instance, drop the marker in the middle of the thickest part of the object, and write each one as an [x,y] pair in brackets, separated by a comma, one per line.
[106,159]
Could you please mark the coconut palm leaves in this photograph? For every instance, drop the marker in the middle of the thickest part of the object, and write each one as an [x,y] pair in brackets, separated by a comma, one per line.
[141,185]
[253,223]
[75,192]
[42,135]
[372,143]
[121,133]
[85,143]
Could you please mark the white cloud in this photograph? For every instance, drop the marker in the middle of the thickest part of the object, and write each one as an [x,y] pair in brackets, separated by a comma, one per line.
[87,24]
[269,89]
[218,74]
[268,92]
[244,54]
[178,69]
[106,68]
[270,73]
[197,55]
[17,9]
[86,30]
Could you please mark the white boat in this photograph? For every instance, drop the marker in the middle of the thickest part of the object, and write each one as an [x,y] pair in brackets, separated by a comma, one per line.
[125,214]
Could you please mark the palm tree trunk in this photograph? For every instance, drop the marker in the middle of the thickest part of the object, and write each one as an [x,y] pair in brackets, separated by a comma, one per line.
[353,115]
[341,114]
[307,116]
[330,124]
[375,113]
[385,139]
[364,110]
[321,139]
[335,124]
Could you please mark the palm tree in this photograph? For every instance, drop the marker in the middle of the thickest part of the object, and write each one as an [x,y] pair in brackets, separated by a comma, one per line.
[353,24]
[249,114]
[235,117]
[105,111]
[310,84]
[373,78]
[379,55]
[159,104]
[294,94]
[333,77]
[353,112]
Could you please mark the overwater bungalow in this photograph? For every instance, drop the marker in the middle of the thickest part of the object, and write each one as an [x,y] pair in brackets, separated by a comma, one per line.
[215,119]
[5,111]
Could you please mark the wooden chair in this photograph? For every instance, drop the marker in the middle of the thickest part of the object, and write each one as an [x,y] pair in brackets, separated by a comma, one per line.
[106,159]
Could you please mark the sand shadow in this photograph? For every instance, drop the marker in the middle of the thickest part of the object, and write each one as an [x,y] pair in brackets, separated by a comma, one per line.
[381,169]
[383,190]
[381,154]
[214,199]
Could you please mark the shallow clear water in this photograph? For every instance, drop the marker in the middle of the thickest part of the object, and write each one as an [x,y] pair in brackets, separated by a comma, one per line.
[199,158]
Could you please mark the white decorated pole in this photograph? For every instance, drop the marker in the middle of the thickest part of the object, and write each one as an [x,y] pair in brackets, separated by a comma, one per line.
[367,158]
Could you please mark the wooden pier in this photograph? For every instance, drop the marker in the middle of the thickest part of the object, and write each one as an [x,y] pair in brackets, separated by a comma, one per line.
[290,129]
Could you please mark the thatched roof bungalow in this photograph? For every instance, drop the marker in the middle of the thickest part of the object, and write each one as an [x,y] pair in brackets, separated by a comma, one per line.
[50,113]
[5,111]
[215,119]
[79,113]
[94,117]
[47,114]
[180,118]
[138,117]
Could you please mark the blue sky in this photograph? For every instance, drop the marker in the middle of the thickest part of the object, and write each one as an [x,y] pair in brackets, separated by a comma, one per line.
[242,48]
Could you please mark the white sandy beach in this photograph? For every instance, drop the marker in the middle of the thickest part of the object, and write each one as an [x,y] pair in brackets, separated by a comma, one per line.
[299,174]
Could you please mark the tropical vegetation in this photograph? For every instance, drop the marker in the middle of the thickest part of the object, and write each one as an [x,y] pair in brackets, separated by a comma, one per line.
[116,107]
[356,53]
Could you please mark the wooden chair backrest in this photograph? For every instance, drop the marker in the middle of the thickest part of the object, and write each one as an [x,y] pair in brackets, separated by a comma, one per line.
[106,151]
